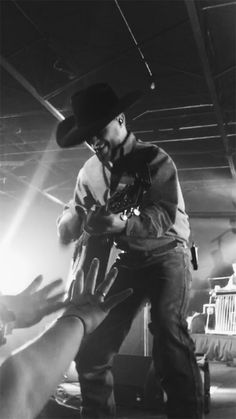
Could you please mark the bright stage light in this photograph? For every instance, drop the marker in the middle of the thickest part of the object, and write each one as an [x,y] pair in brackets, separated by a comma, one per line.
[34,187]
[14,269]
[14,272]
[222,390]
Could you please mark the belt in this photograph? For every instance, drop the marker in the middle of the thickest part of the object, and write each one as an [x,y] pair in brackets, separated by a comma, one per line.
[169,246]
[157,251]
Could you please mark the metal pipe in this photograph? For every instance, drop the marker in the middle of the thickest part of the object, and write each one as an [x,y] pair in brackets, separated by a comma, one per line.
[176,108]
[134,39]
[207,137]
[210,214]
[28,86]
[226,71]
[189,169]
[217,6]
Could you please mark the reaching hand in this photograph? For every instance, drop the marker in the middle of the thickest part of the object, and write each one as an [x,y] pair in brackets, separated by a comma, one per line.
[88,303]
[31,305]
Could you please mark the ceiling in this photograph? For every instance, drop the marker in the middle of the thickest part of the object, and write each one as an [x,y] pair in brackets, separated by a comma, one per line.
[180,53]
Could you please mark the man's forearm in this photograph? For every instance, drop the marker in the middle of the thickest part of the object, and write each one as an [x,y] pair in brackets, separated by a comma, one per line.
[24,390]
[69,226]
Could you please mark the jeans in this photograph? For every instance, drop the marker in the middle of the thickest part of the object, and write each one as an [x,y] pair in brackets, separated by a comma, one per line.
[166,284]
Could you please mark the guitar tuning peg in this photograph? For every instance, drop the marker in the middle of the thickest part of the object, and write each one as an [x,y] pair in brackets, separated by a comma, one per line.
[136,211]
[123,217]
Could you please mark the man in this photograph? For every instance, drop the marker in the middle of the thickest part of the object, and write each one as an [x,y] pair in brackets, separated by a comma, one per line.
[29,377]
[152,234]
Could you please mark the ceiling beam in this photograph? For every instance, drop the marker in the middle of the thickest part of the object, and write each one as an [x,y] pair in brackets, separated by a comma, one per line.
[198,35]
[30,88]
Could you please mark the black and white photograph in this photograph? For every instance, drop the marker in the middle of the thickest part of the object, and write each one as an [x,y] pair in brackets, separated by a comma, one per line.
[117,209]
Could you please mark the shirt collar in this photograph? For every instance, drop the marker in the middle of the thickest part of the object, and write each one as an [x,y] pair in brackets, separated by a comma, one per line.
[129,144]
[126,152]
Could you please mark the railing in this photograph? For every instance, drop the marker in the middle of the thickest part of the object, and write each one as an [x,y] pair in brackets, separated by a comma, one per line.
[222,306]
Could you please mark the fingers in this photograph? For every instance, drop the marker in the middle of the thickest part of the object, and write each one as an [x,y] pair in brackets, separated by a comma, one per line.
[90,282]
[35,284]
[52,307]
[105,286]
[112,301]
[58,298]
[78,286]
[49,288]
[70,292]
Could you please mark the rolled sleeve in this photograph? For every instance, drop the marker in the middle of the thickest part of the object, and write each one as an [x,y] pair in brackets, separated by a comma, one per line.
[69,223]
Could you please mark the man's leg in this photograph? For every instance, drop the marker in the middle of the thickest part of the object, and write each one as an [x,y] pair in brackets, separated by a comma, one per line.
[173,349]
[94,359]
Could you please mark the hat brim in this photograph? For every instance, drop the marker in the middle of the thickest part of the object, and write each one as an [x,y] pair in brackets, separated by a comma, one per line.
[68,134]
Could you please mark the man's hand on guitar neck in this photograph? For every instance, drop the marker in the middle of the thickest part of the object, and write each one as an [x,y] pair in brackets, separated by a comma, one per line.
[101,221]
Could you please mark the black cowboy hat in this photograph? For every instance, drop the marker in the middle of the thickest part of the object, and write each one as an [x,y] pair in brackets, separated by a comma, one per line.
[93,108]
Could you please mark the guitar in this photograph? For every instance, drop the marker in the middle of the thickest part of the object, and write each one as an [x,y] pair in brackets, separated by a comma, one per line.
[126,202]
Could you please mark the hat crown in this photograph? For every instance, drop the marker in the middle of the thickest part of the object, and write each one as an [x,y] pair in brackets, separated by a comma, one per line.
[93,108]
[93,103]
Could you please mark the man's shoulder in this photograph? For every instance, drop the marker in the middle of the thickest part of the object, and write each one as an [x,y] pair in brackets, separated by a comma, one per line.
[90,166]
[146,151]
[92,171]
[141,145]
[91,162]
[152,155]
[151,147]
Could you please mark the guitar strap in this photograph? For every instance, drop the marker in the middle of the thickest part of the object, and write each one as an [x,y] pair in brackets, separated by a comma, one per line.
[143,179]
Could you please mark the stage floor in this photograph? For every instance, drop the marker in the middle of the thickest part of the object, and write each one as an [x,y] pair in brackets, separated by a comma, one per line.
[223,399]
[223,396]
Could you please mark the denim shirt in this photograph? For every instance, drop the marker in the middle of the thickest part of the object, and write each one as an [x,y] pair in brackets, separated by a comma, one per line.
[162,215]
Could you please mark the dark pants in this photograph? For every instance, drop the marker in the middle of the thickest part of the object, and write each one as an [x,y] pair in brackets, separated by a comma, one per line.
[166,284]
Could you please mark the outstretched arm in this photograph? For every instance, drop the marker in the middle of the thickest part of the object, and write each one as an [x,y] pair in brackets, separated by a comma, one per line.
[29,377]
[32,304]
